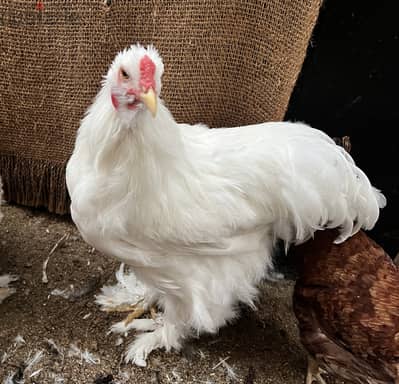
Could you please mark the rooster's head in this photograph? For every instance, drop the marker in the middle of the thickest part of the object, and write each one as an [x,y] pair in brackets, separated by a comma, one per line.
[134,79]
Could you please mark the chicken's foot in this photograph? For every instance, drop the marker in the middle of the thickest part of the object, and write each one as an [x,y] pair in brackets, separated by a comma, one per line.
[136,311]
[314,372]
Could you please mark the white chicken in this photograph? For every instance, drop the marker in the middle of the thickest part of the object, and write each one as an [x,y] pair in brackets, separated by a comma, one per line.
[196,212]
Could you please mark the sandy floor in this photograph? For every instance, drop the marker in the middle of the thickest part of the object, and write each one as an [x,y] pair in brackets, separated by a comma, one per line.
[261,347]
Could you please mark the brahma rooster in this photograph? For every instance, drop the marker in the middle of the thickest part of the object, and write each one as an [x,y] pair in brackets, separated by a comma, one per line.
[196,212]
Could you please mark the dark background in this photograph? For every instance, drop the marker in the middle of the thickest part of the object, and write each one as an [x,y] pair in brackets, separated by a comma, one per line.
[348,86]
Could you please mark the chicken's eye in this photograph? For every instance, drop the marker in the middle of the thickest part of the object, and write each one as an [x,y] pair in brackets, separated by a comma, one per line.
[124,74]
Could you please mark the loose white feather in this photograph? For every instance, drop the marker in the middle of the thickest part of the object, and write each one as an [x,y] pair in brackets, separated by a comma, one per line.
[18,341]
[10,379]
[32,361]
[84,356]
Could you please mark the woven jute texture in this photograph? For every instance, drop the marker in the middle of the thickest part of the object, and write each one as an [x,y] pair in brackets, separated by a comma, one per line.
[227,63]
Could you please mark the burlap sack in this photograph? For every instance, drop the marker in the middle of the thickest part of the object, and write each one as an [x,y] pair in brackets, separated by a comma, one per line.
[227,63]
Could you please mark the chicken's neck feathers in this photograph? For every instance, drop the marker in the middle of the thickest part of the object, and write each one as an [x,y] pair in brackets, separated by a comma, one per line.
[148,151]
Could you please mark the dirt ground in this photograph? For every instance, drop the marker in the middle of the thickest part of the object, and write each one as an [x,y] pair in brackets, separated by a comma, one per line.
[260,347]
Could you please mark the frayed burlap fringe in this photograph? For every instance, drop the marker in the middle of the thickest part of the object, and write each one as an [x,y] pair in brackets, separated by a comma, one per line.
[34,183]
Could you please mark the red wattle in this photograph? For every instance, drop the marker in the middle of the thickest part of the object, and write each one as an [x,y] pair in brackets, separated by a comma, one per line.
[115,101]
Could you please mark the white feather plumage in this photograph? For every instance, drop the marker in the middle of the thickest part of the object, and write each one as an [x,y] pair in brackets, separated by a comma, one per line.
[127,291]
[195,211]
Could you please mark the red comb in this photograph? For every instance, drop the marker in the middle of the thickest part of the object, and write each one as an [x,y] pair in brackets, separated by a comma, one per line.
[147,73]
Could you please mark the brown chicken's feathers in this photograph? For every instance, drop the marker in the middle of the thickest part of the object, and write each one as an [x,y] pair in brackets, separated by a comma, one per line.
[346,300]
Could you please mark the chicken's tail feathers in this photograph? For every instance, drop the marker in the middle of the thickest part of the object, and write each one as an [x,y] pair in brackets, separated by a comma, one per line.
[366,203]
[381,199]
[325,190]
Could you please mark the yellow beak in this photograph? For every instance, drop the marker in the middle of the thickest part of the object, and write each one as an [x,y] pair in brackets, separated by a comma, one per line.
[149,99]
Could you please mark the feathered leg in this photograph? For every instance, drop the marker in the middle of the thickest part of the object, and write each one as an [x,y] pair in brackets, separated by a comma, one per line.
[164,332]
[132,320]
[128,295]
[138,308]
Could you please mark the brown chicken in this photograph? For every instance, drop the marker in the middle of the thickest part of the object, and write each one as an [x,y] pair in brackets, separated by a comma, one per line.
[346,300]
